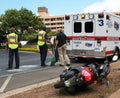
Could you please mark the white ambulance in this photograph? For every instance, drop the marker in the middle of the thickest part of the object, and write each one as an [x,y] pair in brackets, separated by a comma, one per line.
[92,35]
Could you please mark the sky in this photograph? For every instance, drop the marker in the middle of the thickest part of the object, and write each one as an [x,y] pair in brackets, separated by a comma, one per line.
[61,7]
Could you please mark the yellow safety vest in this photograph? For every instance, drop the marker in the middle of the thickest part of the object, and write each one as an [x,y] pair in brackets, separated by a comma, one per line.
[12,40]
[41,38]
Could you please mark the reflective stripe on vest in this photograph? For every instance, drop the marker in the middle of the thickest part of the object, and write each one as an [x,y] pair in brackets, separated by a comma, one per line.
[41,38]
[12,40]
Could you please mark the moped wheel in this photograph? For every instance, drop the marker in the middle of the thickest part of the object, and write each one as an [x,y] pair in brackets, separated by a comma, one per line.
[59,85]
[71,90]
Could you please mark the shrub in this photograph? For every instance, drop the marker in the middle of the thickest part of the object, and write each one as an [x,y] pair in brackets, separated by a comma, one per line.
[29,49]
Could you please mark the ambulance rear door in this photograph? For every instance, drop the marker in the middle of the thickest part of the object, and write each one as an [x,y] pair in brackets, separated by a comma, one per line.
[83,34]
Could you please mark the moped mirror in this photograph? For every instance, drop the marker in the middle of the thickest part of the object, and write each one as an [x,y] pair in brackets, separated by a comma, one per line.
[115,58]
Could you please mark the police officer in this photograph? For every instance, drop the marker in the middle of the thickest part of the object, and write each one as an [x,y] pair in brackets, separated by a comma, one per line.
[12,44]
[42,43]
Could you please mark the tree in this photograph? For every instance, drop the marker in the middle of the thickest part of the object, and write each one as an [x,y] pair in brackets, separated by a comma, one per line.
[29,20]
[23,20]
[10,19]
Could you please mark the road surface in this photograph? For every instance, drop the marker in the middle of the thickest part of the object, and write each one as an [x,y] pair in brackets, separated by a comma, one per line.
[28,60]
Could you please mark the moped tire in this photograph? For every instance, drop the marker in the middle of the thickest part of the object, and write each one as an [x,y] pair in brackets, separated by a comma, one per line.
[59,85]
[71,90]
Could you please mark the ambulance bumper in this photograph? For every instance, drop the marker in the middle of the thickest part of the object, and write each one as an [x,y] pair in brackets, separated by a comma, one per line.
[85,54]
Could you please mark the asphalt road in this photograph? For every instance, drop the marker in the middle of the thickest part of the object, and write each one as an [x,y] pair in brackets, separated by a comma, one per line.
[30,71]
[28,60]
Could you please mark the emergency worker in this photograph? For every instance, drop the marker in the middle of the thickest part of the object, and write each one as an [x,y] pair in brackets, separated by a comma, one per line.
[13,42]
[42,43]
[61,44]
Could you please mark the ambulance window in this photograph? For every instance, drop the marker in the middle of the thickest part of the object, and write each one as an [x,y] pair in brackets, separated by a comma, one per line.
[77,27]
[89,27]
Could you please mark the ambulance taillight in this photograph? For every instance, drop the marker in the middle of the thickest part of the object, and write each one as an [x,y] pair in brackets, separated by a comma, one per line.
[68,41]
[99,42]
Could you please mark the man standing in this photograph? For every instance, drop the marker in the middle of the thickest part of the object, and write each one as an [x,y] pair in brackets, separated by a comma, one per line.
[42,43]
[61,44]
[12,44]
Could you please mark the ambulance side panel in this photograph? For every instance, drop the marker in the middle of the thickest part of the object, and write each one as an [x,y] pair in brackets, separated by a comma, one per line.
[68,28]
[101,42]
[100,35]
[113,33]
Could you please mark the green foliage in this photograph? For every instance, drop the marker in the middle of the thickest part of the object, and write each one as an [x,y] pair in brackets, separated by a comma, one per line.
[10,19]
[28,36]
[23,20]
[29,20]
[51,33]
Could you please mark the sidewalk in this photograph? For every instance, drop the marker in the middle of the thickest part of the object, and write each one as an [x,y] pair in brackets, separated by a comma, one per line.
[115,94]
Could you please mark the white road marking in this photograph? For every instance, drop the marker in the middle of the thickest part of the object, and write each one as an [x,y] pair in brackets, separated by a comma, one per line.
[29,66]
[5,83]
[23,68]
[15,70]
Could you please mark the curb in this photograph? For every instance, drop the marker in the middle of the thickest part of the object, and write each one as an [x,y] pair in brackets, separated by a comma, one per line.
[30,87]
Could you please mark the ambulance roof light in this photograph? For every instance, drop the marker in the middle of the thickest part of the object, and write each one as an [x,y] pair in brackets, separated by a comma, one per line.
[67,17]
[100,15]
[91,16]
[75,17]
[83,16]
[107,17]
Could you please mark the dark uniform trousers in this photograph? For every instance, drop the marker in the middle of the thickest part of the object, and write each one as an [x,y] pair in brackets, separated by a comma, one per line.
[43,53]
[13,52]
[56,54]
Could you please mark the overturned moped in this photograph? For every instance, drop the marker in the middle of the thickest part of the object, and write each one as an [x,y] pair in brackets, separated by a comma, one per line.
[82,76]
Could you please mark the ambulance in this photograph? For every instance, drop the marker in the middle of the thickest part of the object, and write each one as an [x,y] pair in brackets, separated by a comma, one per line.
[92,35]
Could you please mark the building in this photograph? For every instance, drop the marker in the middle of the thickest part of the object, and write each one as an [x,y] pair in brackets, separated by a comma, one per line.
[51,22]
